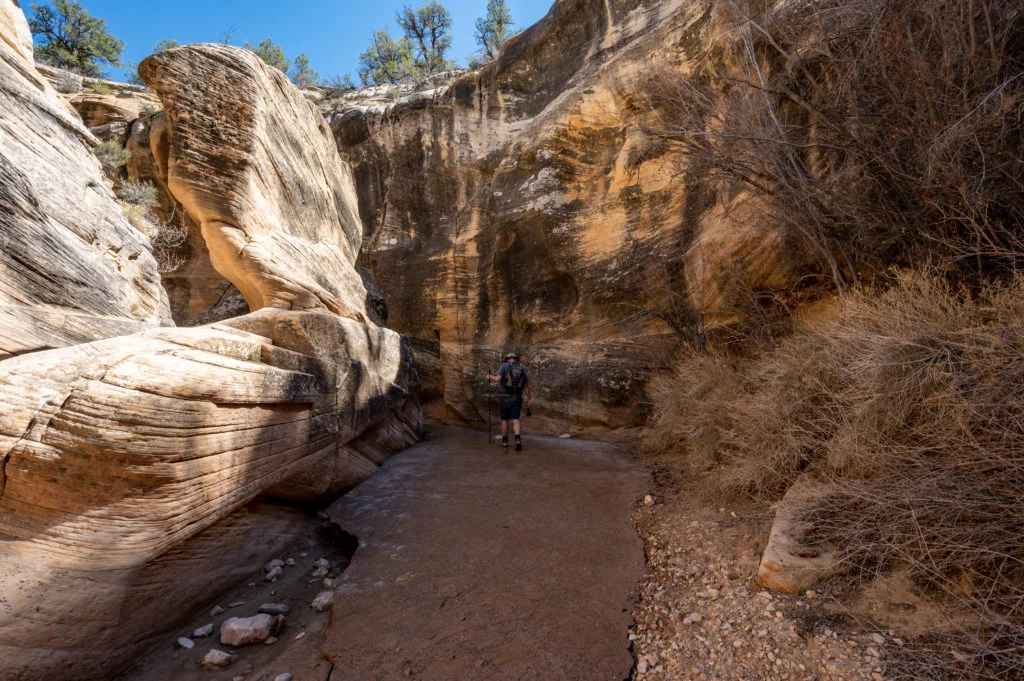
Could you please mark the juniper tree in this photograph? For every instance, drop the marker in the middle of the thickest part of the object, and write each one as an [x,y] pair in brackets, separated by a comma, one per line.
[302,73]
[494,29]
[429,30]
[69,37]
[386,60]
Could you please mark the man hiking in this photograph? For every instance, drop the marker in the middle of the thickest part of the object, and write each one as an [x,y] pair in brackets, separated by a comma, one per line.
[515,383]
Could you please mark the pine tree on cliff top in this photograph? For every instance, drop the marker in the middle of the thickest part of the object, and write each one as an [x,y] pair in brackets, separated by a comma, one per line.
[494,29]
[429,29]
[386,60]
[303,74]
[69,37]
[271,54]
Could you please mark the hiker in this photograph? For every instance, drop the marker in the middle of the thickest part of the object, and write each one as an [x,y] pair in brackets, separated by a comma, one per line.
[514,381]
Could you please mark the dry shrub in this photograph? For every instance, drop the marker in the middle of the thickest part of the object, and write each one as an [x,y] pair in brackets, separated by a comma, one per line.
[170,246]
[876,131]
[912,402]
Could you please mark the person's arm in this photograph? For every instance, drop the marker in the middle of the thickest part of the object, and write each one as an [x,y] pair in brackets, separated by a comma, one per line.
[528,394]
[495,378]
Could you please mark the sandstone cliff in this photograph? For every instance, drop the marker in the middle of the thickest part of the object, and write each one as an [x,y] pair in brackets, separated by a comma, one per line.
[72,268]
[533,204]
[133,468]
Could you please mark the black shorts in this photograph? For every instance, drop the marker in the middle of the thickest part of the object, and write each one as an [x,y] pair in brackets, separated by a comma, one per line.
[510,407]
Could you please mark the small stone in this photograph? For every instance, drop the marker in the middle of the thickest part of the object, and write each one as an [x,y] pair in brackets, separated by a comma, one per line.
[290,563]
[299,636]
[241,631]
[565,436]
[648,500]
[738,643]
[216,611]
[273,574]
[323,600]
[320,571]
[633,637]
[878,638]
[251,584]
[277,562]
[874,652]
[693,618]
[329,583]
[274,609]
[322,562]
[641,666]
[322,516]
[270,641]
[236,604]
[810,594]
[186,643]
[303,555]
[283,677]
[218,658]
[203,631]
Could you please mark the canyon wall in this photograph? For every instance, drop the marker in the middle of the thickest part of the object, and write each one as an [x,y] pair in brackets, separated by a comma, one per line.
[535,204]
[142,474]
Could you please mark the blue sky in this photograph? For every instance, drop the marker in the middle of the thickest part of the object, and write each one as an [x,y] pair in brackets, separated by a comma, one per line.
[332,33]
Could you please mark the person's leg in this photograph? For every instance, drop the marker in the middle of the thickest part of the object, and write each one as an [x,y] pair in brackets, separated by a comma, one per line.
[504,416]
[516,427]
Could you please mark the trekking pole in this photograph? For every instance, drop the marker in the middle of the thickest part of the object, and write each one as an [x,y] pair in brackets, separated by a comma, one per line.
[487,393]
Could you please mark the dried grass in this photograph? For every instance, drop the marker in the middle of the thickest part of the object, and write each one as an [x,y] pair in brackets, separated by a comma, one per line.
[912,402]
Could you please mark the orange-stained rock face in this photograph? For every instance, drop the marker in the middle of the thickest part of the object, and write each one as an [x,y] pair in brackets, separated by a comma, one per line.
[534,204]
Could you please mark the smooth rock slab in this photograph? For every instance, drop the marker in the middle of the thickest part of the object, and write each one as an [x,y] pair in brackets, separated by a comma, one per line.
[479,562]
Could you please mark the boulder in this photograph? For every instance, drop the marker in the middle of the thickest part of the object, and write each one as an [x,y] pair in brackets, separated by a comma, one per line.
[790,563]
[72,268]
[244,631]
[255,166]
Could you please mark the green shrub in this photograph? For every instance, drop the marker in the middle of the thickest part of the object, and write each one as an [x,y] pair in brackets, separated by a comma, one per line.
[112,156]
[98,88]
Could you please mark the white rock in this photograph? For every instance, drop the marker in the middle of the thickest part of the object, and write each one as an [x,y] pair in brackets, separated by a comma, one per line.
[241,631]
[283,677]
[565,436]
[320,571]
[203,631]
[290,562]
[648,500]
[299,636]
[218,658]
[322,562]
[277,562]
[323,600]
[216,611]
[273,574]
[878,638]
[186,643]
[329,583]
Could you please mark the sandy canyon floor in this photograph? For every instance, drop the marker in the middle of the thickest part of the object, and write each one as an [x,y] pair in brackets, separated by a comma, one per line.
[476,562]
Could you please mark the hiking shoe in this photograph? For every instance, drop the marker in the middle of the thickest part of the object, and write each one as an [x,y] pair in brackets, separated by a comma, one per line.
[504,442]
[519,445]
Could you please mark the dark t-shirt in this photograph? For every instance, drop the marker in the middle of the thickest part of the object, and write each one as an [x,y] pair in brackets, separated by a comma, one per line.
[504,369]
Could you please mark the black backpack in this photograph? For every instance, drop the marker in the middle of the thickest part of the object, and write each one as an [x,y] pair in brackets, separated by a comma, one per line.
[515,379]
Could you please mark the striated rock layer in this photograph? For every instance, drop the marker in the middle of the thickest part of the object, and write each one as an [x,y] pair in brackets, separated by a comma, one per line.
[253,164]
[134,470]
[534,204]
[72,267]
